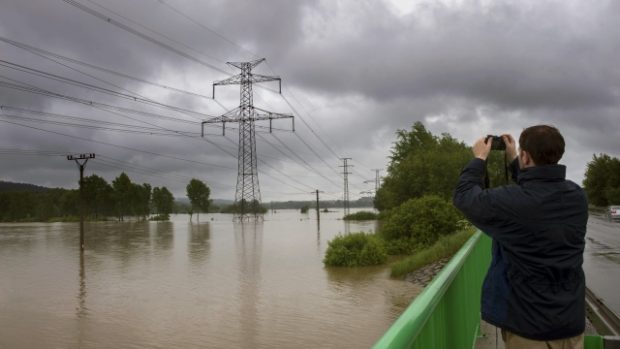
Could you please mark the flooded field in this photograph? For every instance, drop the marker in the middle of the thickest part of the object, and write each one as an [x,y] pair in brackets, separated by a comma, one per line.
[213,284]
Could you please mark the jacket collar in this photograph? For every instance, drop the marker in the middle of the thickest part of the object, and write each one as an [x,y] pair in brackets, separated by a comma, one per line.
[545,173]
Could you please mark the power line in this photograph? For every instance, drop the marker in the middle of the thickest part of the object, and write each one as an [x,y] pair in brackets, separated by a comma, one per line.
[211,30]
[140,130]
[178,42]
[48,54]
[309,127]
[120,146]
[140,34]
[310,167]
[104,90]
[100,106]
[162,155]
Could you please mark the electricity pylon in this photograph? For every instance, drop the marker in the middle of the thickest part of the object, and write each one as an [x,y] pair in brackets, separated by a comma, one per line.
[346,184]
[247,194]
[377,182]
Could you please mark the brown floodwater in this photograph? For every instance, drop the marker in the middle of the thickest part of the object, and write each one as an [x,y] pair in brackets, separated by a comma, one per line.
[213,284]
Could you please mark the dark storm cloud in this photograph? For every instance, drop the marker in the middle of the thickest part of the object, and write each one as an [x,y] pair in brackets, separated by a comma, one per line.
[505,53]
[356,71]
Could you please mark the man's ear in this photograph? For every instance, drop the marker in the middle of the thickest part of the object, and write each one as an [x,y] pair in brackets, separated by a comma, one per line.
[526,159]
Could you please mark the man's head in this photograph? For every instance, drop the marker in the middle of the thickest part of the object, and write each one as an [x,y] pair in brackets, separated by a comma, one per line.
[540,145]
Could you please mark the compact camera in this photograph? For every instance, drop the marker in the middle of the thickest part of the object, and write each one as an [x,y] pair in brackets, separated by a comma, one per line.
[497,142]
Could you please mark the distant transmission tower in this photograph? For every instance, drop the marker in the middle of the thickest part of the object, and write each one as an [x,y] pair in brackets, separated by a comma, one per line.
[346,184]
[247,195]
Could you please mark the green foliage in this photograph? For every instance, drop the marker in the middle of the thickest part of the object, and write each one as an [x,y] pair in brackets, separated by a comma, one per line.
[130,199]
[122,195]
[198,193]
[400,247]
[98,196]
[602,180]
[422,220]
[122,198]
[38,206]
[421,164]
[163,201]
[160,217]
[361,216]
[305,209]
[354,250]
[444,247]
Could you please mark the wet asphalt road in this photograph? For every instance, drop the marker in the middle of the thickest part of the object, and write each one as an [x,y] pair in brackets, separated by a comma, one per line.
[602,260]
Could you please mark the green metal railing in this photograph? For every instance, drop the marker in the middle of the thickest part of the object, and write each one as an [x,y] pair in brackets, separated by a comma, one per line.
[447,313]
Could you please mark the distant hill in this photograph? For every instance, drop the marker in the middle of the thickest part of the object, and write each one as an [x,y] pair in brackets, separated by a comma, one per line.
[20,187]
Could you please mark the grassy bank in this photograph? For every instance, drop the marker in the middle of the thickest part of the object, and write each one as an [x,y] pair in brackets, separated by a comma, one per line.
[361,216]
[444,247]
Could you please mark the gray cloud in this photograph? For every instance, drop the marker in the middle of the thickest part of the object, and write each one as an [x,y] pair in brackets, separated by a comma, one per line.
[355,70]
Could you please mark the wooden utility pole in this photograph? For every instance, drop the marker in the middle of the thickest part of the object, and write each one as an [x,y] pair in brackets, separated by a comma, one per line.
[318,210]
[81,160]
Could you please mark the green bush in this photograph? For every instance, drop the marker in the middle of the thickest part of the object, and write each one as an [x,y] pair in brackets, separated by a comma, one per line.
[445,246]
[361,216]
[422,220]
[399,247]
[354,250]
[160,217]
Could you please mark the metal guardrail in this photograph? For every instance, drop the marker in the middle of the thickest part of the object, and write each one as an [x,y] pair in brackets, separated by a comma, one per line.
[604,319]
[446,315]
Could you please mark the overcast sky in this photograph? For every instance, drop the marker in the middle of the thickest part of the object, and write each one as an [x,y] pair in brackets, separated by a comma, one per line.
[353,72]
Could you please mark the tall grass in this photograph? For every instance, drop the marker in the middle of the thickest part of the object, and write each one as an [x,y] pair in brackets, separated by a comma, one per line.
[444,247]
[361,216]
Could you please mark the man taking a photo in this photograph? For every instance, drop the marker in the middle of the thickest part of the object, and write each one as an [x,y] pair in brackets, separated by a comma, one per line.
[534,289]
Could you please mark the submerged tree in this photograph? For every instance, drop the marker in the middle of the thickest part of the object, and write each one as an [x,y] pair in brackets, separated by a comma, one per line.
[98,196]
[163,202]
[122,195]
[198,193]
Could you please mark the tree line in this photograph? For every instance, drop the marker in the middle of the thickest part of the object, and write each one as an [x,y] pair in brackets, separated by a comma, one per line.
[602,180]
[415,199]
[120,199]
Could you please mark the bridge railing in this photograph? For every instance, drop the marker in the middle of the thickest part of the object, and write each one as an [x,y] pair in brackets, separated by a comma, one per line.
[447,313]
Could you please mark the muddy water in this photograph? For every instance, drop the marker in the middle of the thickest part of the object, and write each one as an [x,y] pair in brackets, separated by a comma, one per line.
[213,284]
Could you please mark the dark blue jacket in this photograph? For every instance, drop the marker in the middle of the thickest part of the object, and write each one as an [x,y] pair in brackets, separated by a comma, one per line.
[535,286]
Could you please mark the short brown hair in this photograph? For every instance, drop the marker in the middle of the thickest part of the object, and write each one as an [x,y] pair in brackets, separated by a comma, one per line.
[544,143]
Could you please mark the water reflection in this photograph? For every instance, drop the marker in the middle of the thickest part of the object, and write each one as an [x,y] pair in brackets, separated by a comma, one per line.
[124,239]
[318,234]
[249,245]
[81,308]
[164,236]
[198,243]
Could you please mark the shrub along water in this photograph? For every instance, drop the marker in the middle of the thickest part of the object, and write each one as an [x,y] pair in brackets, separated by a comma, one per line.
[444,247]
[361,216]
[354,250]
[419,222]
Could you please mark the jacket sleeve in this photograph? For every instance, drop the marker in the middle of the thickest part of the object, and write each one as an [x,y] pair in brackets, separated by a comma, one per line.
[470,196]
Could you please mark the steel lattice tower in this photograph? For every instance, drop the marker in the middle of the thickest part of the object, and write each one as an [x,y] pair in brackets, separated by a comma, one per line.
[247,194]
[346,184]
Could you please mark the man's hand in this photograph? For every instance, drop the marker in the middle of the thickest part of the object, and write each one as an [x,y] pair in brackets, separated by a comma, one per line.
[481,149]
[511,146]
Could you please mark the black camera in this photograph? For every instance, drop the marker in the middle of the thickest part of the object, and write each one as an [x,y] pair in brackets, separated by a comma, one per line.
[497,142]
